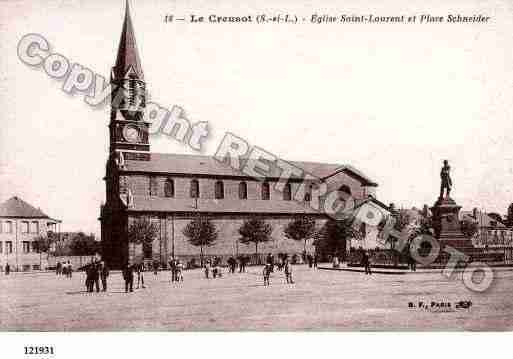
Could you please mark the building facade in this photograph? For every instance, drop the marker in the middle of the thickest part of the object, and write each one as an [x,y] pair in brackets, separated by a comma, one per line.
[172,189]
[490,234]
[20,225]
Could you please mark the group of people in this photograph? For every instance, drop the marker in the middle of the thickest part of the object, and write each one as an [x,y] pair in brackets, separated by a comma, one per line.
[95,271]
[65,269]
[312,260]
[212,266]
[284,264]
[128,276]
[176,270]
[98,271]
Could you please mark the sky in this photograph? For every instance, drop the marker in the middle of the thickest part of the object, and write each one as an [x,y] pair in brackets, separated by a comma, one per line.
[393,100]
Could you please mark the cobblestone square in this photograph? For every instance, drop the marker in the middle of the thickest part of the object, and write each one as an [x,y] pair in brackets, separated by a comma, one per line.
[319,300]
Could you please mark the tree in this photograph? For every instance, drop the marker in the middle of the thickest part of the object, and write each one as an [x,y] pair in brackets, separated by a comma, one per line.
[301,228]
[41,244]
[201,232]
[332,237]
[83,245]
[402,221]
[142,231]
[255,230]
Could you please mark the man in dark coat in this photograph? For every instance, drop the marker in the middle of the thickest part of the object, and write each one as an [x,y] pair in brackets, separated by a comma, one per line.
[104,273]
[128,276]
[96,276]
[232,263]
[366,262]
[89,277]
[7,269]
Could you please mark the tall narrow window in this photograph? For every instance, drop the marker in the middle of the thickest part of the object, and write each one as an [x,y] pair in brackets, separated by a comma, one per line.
[153,186]
[24,227]
[243,190]
[265,190]
[26,247]
[8,227]
[35,227]
[287,192]
[1,227]
[219,190]
[1,247]
[169,188]
[195,192]
[8,247]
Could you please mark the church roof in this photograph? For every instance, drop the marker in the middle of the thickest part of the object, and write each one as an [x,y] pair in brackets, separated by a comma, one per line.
[128,56]
[166,163]
[18,208]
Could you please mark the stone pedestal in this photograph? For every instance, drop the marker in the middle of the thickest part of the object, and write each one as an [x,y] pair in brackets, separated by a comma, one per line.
[446,223]
[448,232]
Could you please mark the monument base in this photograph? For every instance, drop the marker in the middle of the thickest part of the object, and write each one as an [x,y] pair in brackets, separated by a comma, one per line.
[446,222]
[447,226]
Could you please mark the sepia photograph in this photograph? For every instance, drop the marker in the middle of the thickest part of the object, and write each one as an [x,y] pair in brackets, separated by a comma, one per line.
[219,166]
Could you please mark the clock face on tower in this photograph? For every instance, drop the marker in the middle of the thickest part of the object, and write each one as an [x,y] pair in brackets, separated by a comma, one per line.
[131,133]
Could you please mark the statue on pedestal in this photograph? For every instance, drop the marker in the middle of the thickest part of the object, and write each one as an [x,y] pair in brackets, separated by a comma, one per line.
[446,180]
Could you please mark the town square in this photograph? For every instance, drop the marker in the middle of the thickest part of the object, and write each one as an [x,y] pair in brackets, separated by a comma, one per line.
[319,300]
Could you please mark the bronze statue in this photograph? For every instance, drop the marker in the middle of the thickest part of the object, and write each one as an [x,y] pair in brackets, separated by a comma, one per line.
[446,180]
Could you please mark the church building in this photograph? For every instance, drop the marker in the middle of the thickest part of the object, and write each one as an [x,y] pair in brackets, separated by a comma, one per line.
[172,189]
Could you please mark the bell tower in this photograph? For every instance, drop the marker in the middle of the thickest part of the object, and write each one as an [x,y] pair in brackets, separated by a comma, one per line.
[127,128]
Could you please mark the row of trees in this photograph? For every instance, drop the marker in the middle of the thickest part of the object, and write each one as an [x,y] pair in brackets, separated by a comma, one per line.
[79,244]
[202,232]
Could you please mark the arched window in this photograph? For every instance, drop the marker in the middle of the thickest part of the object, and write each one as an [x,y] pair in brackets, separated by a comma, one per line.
[243,190]
[153,186]
[195,193]
[308,193]
[219,190]
[265,191]
[344,188]
[287,192]
[169,188]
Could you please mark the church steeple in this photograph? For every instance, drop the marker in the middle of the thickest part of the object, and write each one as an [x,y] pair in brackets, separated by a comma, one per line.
[128,56]
[128,130]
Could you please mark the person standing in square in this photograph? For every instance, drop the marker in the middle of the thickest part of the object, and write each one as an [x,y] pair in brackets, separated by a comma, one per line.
[128,276]
[104,273]
[288,271]
[140,275]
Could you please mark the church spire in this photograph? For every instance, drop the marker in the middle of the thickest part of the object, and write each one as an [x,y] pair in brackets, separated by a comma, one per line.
[128,56]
